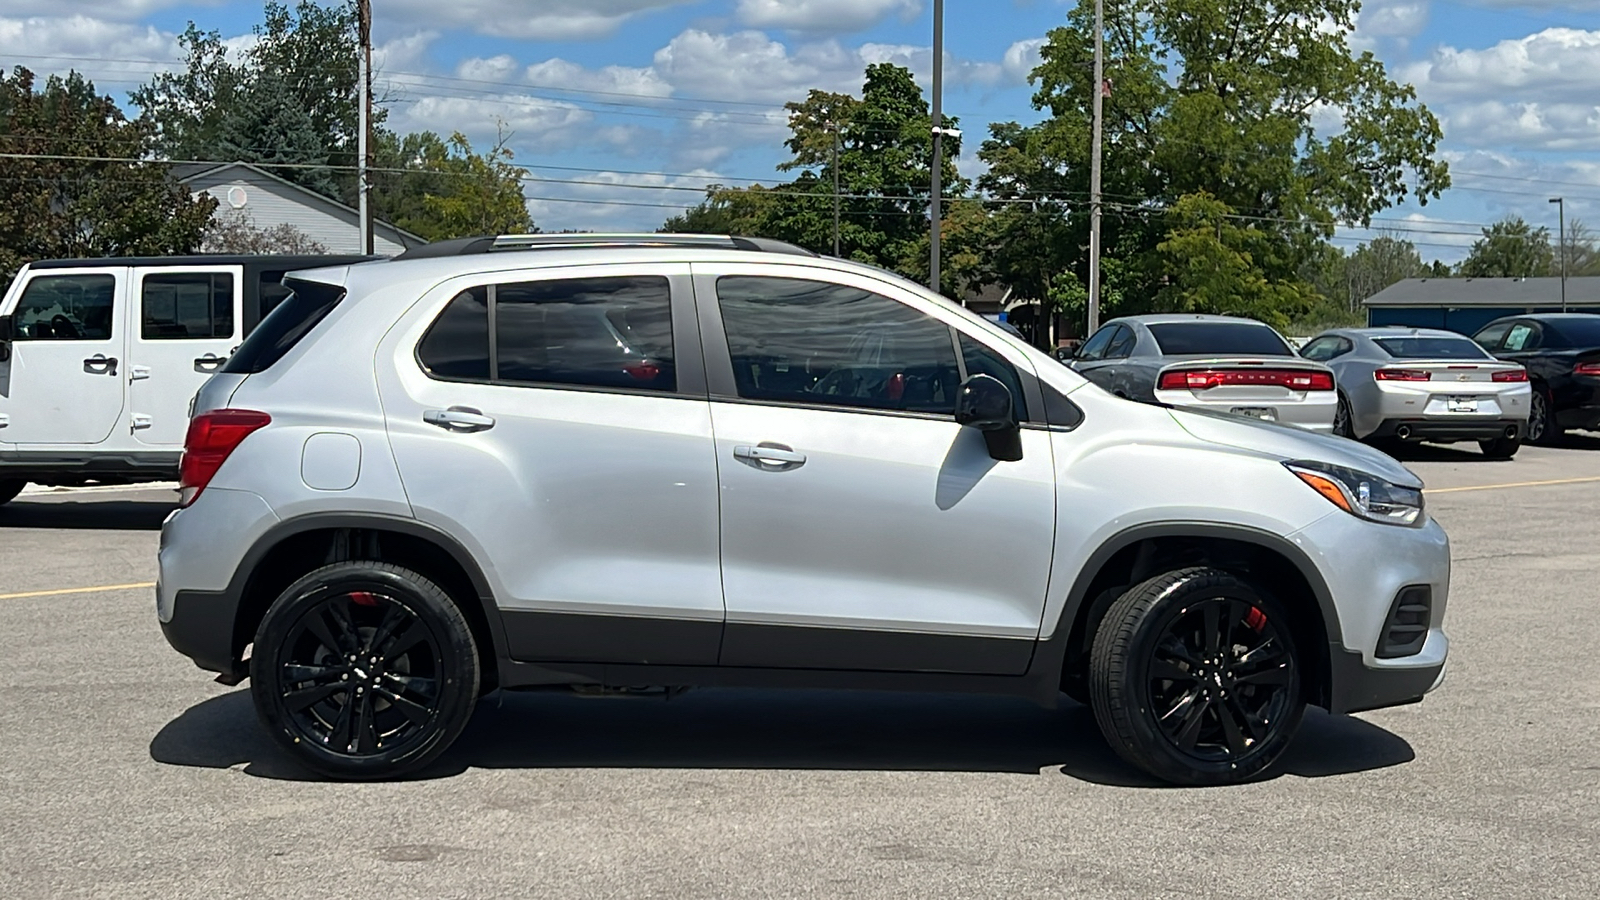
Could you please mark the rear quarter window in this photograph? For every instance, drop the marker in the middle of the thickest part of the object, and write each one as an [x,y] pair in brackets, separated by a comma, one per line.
[1222,338]
[292,319]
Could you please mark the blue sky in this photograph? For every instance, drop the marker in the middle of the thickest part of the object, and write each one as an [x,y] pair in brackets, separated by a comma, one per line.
[627,108]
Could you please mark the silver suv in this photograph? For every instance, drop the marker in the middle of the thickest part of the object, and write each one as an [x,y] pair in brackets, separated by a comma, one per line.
[609,462]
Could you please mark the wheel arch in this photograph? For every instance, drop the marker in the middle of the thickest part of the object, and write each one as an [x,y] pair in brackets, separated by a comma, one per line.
[1265,559]
[296,546]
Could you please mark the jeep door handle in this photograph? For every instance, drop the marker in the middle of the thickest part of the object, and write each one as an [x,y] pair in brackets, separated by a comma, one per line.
[463,419]
[770,455]
[100,364]
[208,363]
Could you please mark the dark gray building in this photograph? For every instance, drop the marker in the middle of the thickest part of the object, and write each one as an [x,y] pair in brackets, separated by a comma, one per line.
[1467,304]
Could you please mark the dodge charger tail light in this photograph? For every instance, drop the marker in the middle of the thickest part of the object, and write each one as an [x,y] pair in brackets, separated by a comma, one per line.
[1205,379]
[1586,368]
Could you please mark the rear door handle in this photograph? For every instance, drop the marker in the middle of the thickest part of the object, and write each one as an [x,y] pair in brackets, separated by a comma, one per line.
[100,364]
[463,419]
[208,363]
[770,455]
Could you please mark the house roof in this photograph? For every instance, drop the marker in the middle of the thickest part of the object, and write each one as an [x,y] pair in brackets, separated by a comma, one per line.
[187,172]
[1518,293]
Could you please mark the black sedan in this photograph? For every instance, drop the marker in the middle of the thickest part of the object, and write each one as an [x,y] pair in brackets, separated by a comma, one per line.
[1561,352]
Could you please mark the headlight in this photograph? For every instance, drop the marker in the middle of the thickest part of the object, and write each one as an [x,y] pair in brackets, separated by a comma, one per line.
[1360,494]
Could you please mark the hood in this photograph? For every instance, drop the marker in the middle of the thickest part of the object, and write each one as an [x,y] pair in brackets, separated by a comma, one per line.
[1288,442]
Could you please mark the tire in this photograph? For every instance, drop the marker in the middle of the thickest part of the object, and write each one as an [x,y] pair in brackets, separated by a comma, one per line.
[1343,425]
[10,488]
[1236,717]
[1501,448]
[1542,427]
[336,621]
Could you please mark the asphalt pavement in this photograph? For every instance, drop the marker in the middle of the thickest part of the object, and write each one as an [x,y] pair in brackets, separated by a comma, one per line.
[126,773]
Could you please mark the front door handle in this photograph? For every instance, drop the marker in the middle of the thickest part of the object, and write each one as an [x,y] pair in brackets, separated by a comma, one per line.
[770,455]
[208,363]
[462,419]
[100,364]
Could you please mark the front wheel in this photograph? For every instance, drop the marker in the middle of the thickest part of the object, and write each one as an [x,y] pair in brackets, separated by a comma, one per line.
[364,670]
[1195,678]
[10,488]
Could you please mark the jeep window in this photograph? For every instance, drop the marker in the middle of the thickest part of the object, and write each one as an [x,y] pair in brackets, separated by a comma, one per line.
[186,306]
[310,303]
[601,332]
[814,342]
[1212,338]
[66,308]
[457,344]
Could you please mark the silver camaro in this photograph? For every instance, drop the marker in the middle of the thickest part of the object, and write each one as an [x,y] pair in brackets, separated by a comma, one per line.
[1220,363]
[1416,384]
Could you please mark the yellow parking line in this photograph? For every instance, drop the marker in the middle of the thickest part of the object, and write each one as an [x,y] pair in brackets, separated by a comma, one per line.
[1512,484]
[84,590]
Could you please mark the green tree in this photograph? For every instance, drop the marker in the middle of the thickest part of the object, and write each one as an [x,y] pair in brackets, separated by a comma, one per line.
[440,189]
[75,189]
[1582,250]
[1262,106]
[1379,263]
[1213,266]
[1510,248]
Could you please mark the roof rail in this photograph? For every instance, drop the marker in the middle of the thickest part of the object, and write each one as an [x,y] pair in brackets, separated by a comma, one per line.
[504,242]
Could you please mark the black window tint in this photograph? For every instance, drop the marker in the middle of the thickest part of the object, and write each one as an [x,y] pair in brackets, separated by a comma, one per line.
[271,292]
[1243,338]
[65,308]
[186,306]
[815,342]
[1490,337]
[309,303]
[1122,344]
[1430,348]
[1583,332]
[457,344]
[602,332]
[981,360]
[1095,347]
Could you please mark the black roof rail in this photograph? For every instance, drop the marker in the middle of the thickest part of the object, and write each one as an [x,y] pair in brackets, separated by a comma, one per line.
[505,242]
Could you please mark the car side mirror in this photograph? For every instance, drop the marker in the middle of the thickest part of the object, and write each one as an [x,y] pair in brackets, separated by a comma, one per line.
[984,403]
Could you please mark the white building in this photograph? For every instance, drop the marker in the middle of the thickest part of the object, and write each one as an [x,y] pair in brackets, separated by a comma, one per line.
[269,201]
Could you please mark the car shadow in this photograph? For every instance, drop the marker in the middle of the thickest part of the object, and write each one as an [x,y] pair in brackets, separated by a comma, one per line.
[748,729]
[91,515]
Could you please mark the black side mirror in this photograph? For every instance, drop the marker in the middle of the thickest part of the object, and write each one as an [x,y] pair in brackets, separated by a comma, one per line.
[984,403]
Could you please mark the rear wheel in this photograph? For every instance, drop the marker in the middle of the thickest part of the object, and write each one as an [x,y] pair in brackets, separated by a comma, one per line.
[1195,678]
[1542,427]
[1501,448]
[10,488]
[1341,420]
[364,670]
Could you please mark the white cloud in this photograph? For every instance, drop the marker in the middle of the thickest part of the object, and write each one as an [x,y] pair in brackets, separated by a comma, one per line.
[407,53]
[748,65]
[1403,19]
[536,123]
[56,45]
[127,10]
[613,200]
[824,16]
[1530,124]
[559,73]
[547,20]
[1556,62]
[1021,59]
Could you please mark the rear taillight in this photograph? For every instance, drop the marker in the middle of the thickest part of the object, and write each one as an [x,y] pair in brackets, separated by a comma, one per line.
[1402,374]
[1513,375]
[1205,379]
[212,437]
[1586,368]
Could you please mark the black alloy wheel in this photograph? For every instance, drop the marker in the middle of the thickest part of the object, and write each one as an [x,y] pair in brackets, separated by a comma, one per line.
[1341,419]
[10,488]
[1195,678]
[364,670]
[1542,427]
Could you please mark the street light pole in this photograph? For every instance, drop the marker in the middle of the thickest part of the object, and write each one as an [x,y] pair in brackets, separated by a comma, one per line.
[1094,168]
[364,79]
[1561,208]
[938,142]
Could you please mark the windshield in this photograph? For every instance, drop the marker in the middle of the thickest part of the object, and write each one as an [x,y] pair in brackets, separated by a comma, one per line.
[1430,348]
[1583,332]
[1219,339]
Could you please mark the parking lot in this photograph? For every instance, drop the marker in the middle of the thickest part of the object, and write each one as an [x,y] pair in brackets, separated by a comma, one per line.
[127,773]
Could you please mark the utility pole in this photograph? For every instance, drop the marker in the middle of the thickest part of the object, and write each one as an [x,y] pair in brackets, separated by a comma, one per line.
[835,127]
[1561,207]
[1094,168]
[364,77]
[938,145]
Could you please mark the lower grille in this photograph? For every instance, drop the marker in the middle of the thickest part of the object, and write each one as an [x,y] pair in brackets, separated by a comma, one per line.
[1406,629]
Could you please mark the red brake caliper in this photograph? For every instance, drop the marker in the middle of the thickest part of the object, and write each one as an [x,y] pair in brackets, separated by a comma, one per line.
[362,598]
[1257,620]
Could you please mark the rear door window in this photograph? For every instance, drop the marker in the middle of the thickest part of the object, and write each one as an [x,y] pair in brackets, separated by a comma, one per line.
[66,308]
[186,306]
[1219,339]
[1522,336]
[597,332]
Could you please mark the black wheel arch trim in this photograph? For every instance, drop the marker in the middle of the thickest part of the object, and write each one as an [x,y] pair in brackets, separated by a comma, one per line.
[202,645]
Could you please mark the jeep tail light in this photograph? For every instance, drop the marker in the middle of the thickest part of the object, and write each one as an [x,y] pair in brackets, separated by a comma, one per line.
[1402,374]
[1512,375]
[1586,368]
[1205,379]
[212,437]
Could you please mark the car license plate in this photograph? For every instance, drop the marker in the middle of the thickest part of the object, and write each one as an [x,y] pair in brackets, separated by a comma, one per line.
[1256,412]
[1463,404]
